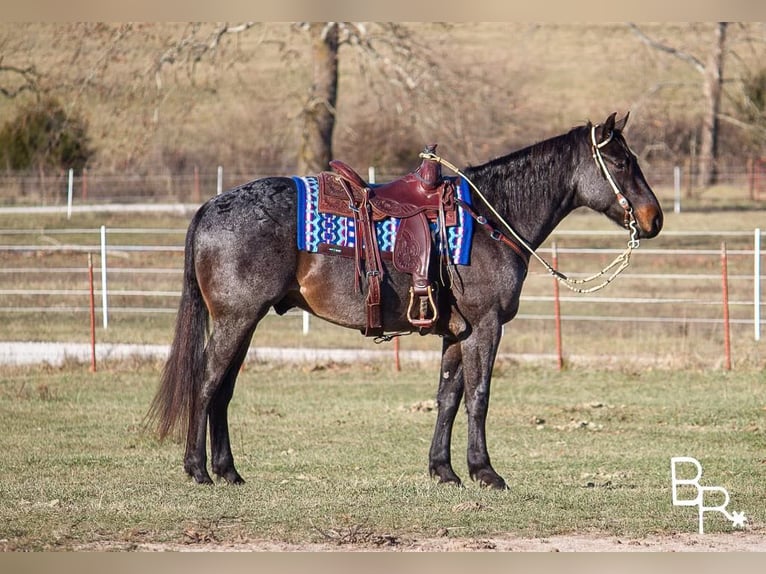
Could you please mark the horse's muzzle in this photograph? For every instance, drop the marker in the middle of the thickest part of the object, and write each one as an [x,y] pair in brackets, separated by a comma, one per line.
[650,220]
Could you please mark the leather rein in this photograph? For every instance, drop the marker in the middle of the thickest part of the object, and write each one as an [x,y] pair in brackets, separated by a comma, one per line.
[516,242]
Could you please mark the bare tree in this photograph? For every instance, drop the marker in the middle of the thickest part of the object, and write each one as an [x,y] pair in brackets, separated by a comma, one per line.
[398,70]
[712,72]
[15,80]
[319,111]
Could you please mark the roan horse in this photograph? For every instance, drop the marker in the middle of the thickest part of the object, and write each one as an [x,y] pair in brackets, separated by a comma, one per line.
[241,260]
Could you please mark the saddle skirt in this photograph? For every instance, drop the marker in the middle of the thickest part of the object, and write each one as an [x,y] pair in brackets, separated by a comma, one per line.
[324,225]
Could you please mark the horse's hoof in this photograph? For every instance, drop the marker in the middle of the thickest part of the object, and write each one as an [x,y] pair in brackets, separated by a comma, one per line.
[232,477]
[498,484]
[200,476]
[490,479]
[446,475]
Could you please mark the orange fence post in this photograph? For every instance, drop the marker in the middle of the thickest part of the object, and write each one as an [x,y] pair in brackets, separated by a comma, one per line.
[92,316]
[557,311]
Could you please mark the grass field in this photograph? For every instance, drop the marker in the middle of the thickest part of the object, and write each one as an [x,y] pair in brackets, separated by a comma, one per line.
[339,454]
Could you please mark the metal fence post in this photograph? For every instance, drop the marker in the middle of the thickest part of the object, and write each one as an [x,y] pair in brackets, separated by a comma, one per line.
[757,284]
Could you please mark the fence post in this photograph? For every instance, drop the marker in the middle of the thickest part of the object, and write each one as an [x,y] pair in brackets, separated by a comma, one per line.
[306,320]
[220,180]
[751,176]
[92,315]
[725,292]
[557,309]
[677,188]
[104,307]
[84,184]
[70,189]
[197,196]
[757,284]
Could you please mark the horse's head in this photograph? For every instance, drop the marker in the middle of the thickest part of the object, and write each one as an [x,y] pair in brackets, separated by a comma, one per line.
[613,183]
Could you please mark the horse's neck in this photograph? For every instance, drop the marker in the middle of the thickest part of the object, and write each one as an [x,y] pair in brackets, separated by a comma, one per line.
[532,189]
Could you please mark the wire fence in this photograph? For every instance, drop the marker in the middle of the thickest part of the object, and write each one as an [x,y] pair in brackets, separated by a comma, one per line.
[695,294]
[87,186]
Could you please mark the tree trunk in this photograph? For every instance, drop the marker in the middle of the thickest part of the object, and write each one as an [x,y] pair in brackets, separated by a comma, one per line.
[708,157]
[319,112]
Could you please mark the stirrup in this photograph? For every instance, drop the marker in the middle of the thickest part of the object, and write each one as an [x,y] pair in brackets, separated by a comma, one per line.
[426,304]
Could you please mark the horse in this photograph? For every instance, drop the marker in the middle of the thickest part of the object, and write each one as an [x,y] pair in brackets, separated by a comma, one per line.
[241,260]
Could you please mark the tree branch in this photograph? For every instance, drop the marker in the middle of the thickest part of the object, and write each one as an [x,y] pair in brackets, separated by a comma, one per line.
[29,77]
[688,58]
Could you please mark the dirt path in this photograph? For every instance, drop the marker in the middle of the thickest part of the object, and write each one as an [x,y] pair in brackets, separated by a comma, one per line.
[740,541]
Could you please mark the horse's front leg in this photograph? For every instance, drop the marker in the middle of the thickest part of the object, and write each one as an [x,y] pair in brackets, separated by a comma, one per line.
[478,353]
[448,401]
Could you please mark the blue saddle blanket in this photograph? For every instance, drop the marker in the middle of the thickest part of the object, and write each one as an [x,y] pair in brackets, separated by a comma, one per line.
[316,228]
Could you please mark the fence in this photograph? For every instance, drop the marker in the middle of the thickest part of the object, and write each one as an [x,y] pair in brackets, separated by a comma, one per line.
[195,185]
[694,294]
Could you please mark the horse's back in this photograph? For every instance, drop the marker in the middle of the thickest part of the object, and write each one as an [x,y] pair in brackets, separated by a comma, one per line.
[244,244]
[258,204]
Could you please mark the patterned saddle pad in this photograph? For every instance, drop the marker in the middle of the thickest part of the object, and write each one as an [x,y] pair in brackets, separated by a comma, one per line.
[335,234]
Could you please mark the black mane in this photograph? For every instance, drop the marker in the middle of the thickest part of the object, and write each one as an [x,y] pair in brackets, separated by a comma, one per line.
[534,180]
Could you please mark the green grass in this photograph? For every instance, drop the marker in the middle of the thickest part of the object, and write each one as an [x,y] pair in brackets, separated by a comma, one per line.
[342,452]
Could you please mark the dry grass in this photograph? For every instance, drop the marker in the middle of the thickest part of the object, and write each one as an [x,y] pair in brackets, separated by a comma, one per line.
[513,83]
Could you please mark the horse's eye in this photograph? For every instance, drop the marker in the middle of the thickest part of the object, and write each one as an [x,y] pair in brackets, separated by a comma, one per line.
[619,165]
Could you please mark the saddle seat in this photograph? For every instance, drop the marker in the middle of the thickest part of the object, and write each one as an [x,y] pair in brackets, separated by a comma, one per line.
[414,193]
[414,199]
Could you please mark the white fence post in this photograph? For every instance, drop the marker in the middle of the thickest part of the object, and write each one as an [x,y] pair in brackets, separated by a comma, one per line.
[104,307]
[677,189]
[220,180]
[757,284]
[69,194]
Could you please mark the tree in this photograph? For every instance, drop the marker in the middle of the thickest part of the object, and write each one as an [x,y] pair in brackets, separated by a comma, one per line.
[15,80]
[319,111]
[43,136]
[750,108]
[712,72]
[390,59]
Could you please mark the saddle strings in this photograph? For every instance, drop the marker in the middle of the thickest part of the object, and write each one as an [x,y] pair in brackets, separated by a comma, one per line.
[621,262]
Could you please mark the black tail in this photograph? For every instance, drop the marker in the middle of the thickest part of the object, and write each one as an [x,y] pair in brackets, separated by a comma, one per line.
[173,405]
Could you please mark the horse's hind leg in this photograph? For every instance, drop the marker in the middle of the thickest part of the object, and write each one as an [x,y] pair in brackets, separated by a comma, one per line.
[224,353]
[222,461]
[448,401]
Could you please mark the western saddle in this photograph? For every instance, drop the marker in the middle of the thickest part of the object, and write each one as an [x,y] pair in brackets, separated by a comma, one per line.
[415,199]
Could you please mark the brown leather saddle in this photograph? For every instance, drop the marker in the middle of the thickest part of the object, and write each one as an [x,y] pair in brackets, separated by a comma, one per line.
[415,199]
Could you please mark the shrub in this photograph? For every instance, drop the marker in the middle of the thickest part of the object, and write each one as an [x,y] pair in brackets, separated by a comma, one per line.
[44,136]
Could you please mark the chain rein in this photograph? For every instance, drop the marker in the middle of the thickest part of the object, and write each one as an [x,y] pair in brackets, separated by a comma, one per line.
[621,262]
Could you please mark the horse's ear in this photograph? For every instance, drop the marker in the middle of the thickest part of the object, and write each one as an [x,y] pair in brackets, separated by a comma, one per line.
[620,124]
[604,131]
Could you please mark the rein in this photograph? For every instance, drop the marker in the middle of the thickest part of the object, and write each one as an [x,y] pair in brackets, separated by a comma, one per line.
[621,262]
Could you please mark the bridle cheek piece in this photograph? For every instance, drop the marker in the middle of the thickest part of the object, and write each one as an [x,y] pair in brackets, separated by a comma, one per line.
[629,221]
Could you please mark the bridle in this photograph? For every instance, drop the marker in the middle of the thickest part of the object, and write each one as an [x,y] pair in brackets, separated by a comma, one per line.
[613,269]
[629,221]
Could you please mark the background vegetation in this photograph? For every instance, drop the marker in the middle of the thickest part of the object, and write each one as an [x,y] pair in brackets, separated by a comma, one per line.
[159,96]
